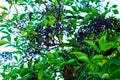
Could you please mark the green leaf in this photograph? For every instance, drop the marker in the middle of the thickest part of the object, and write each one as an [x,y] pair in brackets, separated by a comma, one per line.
[105,76]
[71,61]
[105,12]
[4,14]
[69,2]
[20,1]
[24,71]
[21,65]
[46,22]
[86,19]
[3,7]
[74,8]
[102,41]
[37,1]
[1,29]
[27,76]
[16,38]
[22,16]
[3,42]
[114,6]
[115,11]
[4,25]
[69,11]
[97,1]
[116,38]
[9,37]
[3,37]
[94,12]
[79,53]
[107,46]
[115,61]
[98,57]
[40,74]
[16,58]
[52,20]
[102,62]
[104,68]
[115,72]
[72,41]
[92,44]
[23,32]
[5,32]
[29,64]
[81,56]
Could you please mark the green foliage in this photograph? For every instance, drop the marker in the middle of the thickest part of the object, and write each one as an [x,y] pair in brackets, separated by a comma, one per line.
[55,42]
[115,11]
[3,42]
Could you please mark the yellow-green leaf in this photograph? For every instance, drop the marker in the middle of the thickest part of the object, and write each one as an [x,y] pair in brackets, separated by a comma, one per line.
[3,42]
[83,58]
[40,74]
[3,7]
[23,32]
[79,53]
[20,1]
[102,41]
[98,57]
[107,46]
[52,20]
[105,76]
[101,63]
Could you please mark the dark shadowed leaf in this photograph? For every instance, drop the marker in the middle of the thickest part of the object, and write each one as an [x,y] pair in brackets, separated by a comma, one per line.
[114,6]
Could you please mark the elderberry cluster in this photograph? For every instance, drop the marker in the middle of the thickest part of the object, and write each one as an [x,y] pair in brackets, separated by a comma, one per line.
[96,26]
[31,52]
[5,57]
[45,37]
